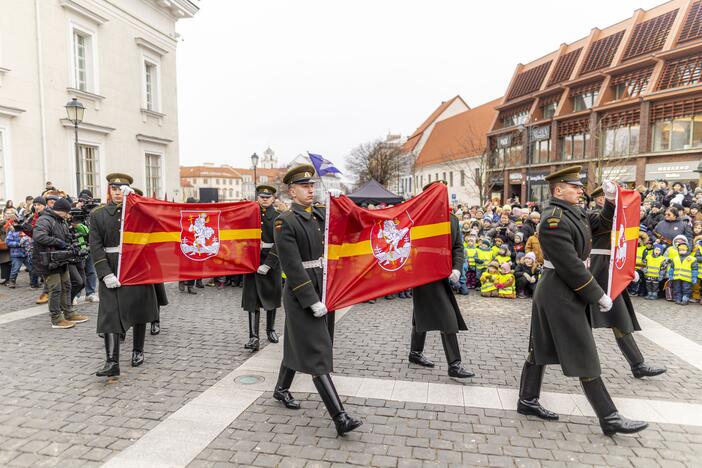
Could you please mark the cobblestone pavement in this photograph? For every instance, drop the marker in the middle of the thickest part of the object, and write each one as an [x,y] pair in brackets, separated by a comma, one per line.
[677,318]
[19,298]
[55,412]
[414,435]
[494,347]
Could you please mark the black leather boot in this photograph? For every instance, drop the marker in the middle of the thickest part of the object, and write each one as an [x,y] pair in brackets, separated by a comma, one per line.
[453,357]
[198,284]
[416,355]
[611,421]
[282,388]
[343,422]
[139,336]
[155,328]
[530,390]
[254,344]
[181,286]
[270,326]
[633,356]
[111,368]
[191,290]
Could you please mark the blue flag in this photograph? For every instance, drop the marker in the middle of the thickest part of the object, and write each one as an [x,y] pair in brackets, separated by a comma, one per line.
[322,166]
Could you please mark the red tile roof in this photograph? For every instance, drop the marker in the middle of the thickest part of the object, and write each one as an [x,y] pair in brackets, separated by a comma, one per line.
[412,141]
[209,171]
[460,136]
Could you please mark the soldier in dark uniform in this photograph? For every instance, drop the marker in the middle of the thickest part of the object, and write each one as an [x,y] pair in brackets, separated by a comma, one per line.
[121,307]
[309,331]
[263,288]
[622,318]
[161,296]
[435,308]
[560,330]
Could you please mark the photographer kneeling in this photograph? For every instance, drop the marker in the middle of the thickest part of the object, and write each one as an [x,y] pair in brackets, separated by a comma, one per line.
[53,252]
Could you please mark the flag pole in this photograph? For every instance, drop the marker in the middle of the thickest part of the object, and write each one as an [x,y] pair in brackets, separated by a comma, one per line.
[325,266]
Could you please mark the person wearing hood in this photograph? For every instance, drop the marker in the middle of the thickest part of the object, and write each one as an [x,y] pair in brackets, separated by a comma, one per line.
[672,226]
[505,282]
[621,319]
[683,274]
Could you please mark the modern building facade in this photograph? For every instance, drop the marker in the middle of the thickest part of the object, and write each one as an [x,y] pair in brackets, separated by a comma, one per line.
[624,101]
[119,60]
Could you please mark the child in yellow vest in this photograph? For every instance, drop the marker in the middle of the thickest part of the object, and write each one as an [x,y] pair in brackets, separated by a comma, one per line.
[471,258]
[654,270]
[488,280]
[503,255]
[697,251]
[506,284]
[483,256]
[683,274]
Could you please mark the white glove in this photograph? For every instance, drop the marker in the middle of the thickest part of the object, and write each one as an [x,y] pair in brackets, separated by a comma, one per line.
[319,309]
[532,279]
[636,276]
[263,269]
[111,281]
[335,193]
[610,189]
[455,276]
[605,303]
[126,190]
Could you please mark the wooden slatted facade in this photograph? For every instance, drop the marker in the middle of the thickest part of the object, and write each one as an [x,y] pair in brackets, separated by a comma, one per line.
[650,35]
[685,71]
[529,81]
[564,67]
[636,81]
[692,28]
[623,118]
[602,52]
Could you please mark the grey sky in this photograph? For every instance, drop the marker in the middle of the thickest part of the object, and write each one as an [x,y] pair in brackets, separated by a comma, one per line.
[326,75]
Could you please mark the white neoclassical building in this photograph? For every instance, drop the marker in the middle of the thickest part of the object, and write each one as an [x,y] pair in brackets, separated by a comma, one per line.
[118,58]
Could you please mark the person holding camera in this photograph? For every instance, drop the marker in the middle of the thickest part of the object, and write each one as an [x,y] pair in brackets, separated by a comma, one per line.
[52,256]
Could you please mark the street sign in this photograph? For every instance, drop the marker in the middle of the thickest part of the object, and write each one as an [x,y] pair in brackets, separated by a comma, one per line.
[453,196]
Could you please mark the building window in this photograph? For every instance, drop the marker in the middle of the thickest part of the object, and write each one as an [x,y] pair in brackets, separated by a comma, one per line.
[153,175]
[87,169]
[678,134]
[541,151]
[574,146]
[463,178]
[151,86]
[451,179]
[428,178]
[518,118]
[83,61]
[584,100]
[506,156]
[631,84]
[621,141]
[436,176]
[205,181]
[549,110]
[231,193]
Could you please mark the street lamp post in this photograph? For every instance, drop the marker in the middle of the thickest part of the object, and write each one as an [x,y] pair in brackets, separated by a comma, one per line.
[526,129]
[75,112]
[254,163]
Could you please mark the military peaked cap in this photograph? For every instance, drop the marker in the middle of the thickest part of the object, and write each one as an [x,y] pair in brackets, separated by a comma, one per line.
[299,175]
[117,178]
[265,191]
[568,175]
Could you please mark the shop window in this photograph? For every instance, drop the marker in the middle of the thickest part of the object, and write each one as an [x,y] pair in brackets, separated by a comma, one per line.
[549,110]
[540,151]
[678,134]
[574,146]
[621,141]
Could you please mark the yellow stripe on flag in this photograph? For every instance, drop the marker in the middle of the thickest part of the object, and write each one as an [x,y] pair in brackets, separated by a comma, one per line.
[337,251]
[143,238]
[630,233]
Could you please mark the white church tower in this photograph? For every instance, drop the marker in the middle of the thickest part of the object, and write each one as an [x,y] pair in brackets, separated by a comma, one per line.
[269,160]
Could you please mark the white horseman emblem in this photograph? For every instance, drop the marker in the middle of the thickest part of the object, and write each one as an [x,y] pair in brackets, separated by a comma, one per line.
[199,234]
[391,242]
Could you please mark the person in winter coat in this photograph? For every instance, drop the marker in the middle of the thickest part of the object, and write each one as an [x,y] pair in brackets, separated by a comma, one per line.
[527,275]
[672,226]
[488,280]
[533,245]
[20,246]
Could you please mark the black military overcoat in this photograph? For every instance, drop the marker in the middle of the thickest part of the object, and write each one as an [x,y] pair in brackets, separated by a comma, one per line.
[122,307]
[264,291]
[435,306]
[299,237]
[560,328]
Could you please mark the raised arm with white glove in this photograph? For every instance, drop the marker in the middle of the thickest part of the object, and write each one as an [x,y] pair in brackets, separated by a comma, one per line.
[263,270]
[319,309]
[126,190]
[609,187]
[605,303]
[455,276]
[111,281]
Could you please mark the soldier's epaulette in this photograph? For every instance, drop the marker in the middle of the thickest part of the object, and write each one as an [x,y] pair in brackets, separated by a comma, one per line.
[278,223]
[97,208]
[552,217]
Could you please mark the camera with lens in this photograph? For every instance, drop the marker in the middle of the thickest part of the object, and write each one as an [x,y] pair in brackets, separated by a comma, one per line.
[75,253]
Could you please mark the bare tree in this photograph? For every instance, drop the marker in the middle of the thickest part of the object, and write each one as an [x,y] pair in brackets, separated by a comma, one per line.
[615,148]
[375,160]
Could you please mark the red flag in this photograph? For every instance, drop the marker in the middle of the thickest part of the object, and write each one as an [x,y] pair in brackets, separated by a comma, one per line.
[165,241]
[380,252]
[625,237]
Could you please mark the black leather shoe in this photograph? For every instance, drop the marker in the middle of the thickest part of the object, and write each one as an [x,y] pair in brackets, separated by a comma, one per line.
[137,358]
[191,290]
[415,357]
[111,369]
[644,370]
[181,286]
[155,328]
[198,284]
[272,336]
[533,407]
[615,423]
[254,344]
[457,371]
[345,423]
[285,397]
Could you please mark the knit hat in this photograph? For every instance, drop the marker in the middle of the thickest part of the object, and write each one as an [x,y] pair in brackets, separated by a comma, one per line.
[40,200]
[494,264]
[518,235]
[62,205]
[505,267]
[658,246]
[679,238]
[484,241]
[530,255]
